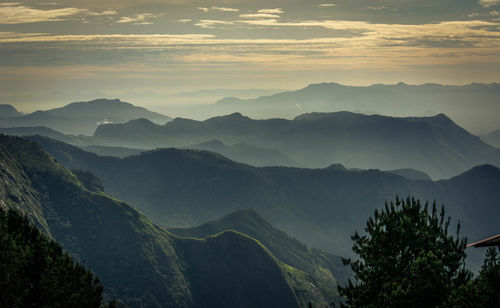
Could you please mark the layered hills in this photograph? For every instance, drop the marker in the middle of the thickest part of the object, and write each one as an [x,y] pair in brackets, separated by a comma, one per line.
[320,207]
[434,145]
[137,261]
[474,106]
[84,117]
[246,153]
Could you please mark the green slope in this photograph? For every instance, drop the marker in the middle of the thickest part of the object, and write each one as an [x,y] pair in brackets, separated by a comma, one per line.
[325,268]
[138,262]
[320,207]
[37,273]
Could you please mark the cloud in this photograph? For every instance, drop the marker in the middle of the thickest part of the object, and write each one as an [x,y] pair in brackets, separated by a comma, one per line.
[10,3]
[103,13]
[110,39]
[375,8]
[224,9]
[204,9]
[327,5]
[138,19]
[185,20]
[259,16]
[271,11]
[210,24]
[488,3]
[12,13]
[361,45]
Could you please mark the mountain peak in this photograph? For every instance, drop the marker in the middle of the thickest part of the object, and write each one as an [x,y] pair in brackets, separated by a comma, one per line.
[441,117]
[235,115]
[336,167]
[141,121]
[8,111]
[479,174]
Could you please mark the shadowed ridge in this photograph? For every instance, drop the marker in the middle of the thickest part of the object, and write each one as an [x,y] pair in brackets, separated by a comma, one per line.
[324,268]
[137,261]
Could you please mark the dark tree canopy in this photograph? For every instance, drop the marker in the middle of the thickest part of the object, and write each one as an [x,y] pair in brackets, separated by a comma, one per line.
[484,290]
[35,272]
[406,259]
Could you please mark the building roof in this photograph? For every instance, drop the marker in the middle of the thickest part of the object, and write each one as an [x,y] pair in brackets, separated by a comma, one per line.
[490,241]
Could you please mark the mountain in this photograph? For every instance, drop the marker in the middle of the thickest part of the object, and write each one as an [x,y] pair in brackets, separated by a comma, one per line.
[325,268]
[320,207]
[84,142]
[84,117]
[473,106]
[411,174]
[8,111]
[112,151]
[492,138]
[434,145]
[137,261]
[245,153]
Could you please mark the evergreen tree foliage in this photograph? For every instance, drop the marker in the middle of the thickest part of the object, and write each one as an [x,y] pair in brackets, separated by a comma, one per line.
[406,259]
[484,290]
[35,272]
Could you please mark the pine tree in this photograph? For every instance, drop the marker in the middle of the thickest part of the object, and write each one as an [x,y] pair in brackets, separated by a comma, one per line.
[406,259]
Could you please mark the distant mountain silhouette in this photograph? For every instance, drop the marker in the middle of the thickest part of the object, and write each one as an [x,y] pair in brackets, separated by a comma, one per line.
[320,207]
[112,151]
[492,138]
[84,117]
[246,153]
[411,174]
[8,111]
[137,261]
[473,106]
[434,145]
[79,140]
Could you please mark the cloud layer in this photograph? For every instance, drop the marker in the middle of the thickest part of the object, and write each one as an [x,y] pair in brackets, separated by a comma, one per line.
[228,41]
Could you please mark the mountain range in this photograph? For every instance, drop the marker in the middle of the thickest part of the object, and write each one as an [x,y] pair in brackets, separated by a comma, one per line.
[83,117]
[138,262]
[474,106]
[434,145]
[320,207]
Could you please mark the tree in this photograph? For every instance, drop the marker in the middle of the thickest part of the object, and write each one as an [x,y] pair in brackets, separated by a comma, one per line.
[406,259]
[484,290]
[36,272]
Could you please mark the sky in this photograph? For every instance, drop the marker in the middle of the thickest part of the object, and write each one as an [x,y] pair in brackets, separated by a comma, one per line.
[80,49]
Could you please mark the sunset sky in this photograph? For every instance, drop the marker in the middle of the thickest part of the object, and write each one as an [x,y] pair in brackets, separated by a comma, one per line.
[168,46]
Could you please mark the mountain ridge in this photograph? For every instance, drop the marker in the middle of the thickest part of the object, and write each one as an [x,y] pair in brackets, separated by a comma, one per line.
[137,261]
[391,99]
[320,207]
[84,117]
[435,145]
